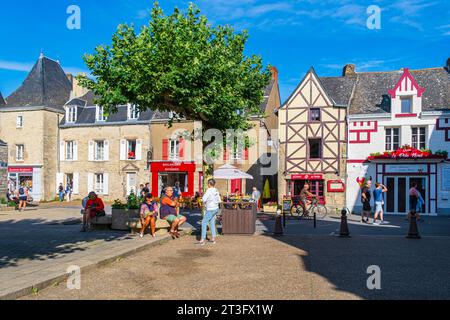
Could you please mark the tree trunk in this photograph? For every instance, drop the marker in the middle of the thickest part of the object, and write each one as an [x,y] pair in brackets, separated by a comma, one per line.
[208,173]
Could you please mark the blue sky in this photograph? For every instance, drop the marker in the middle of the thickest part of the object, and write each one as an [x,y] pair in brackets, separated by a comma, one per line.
[290,34]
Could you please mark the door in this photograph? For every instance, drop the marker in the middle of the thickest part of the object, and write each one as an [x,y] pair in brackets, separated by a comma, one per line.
[236,185]
[397,197]
[131,183]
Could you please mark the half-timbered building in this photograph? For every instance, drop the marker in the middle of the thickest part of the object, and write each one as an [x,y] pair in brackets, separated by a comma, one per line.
[312,134]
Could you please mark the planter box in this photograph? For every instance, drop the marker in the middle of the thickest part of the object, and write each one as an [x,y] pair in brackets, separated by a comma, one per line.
[237,219]
[270,209]
[120,218]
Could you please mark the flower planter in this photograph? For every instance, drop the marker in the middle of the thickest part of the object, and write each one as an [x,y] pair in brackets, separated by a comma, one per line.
[120,218]
[270,209]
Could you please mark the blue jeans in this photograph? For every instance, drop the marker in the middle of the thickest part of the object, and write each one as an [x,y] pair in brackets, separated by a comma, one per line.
[61,196]
[209,219]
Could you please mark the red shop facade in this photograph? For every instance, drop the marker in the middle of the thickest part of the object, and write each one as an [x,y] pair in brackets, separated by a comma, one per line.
[168,173]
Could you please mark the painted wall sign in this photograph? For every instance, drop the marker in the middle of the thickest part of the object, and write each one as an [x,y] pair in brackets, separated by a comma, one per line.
[406,168]
[20,170]
[307,177]
[335,186]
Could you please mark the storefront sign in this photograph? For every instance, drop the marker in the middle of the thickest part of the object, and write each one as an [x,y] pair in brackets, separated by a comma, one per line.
[335,186]
[406,168]
[307,177]
[20,170]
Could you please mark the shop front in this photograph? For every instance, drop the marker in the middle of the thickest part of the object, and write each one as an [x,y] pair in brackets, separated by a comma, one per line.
[400,177]
[170,173]
[316,183]
[28,176]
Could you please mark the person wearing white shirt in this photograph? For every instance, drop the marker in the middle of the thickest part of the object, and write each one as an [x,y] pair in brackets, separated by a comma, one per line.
[211,200]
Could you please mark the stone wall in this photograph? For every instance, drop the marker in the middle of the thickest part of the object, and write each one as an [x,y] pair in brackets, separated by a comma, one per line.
[3,171]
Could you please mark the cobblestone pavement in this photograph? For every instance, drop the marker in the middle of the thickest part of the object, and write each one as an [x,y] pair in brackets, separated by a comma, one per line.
[39,244]
[263,267]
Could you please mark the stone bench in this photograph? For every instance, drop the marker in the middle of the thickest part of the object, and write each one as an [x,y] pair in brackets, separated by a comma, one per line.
[162,226]
[100,222]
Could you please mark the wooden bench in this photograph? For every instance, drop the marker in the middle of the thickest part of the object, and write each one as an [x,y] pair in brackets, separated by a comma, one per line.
[162,226]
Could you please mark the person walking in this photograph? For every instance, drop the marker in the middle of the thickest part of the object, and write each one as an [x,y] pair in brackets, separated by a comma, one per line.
[256,197]
[378,198]
[414,200]
[68,192]
[22,195]
[61,192]
[211,200]
[365,199]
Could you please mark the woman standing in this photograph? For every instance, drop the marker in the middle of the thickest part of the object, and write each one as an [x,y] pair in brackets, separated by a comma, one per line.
[149,212]
[211,199]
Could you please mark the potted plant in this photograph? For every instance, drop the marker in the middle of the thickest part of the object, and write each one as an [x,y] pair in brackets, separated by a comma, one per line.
[123,212]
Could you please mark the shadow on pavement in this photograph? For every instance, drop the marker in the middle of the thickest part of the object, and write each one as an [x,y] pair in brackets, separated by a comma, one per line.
[410,269]
[39,239]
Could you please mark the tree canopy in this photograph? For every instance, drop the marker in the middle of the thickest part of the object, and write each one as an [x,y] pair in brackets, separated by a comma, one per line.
[180,63]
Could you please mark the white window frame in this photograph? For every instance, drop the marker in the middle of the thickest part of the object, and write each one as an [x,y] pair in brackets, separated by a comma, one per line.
[71,115]
[19,122]
[237,152]
[96,150]
[129,141]
[419,135]
[69,155]
[20,151]
[174,149]
[133,112]
[99,183]
[100,114]
[392,143]
[406,98]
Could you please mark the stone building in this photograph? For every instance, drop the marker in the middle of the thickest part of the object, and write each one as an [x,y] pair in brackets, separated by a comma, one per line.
[3,169]
[29,124]
[106,154]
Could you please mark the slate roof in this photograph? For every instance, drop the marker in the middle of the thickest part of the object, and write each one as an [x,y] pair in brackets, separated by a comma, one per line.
[367,92]
[2,101]
[86,115]
[46,85]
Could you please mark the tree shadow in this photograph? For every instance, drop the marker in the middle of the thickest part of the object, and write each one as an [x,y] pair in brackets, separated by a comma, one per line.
[40,240]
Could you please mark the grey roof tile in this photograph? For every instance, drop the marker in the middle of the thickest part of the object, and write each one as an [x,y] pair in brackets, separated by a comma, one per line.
[2,101]
[46,85]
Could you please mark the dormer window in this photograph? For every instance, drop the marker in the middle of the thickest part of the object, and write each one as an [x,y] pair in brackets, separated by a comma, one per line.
[100,114]
[71,114]
[133,112]
[406,104]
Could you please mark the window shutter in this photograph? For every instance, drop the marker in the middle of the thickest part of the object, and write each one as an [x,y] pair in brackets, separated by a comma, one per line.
[123,149]
[62,154]
[139,149]
[59,180]
[91,151]
[246,154]
[182,148]
[76,179]
[165,149]
[106,154]
[75,151]
[105,184]
[90,182]
[226,154]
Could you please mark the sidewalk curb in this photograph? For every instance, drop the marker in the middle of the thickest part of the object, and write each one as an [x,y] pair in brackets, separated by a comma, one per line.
[43,284]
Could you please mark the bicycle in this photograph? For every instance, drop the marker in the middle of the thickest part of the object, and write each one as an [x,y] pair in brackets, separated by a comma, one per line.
[298,210]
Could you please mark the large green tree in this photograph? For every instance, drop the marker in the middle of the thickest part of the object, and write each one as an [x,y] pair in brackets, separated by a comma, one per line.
[180,63]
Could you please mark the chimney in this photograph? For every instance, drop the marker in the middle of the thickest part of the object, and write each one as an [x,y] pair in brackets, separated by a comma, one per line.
[77,90]
[274,71]
[349,70]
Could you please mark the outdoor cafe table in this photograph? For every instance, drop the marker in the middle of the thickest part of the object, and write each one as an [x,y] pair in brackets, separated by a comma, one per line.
[239,218]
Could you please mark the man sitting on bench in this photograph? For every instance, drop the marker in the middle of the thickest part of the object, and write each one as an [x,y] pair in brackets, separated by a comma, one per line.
[169,211]
[94,208]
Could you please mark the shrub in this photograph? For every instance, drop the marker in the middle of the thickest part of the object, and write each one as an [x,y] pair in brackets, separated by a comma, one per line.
[118,204]
[3,201]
